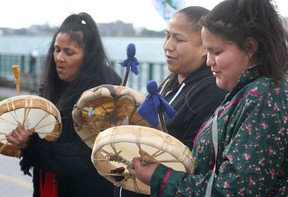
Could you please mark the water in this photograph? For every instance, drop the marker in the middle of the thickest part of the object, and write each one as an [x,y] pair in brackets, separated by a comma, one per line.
[147,49]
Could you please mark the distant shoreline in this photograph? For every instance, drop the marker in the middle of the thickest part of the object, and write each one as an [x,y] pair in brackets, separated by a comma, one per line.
[115,29]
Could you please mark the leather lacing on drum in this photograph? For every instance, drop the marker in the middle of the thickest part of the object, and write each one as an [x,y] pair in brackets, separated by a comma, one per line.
[119,173]
[25,125]
[11,110]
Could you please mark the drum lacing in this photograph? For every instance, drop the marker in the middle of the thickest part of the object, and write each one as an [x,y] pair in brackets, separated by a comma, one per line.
[121,174]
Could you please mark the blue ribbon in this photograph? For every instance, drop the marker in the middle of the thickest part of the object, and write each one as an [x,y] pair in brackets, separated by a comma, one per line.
[153,104]
[131,61]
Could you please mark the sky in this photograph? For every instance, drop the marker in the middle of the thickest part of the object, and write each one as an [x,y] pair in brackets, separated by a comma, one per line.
[142,13]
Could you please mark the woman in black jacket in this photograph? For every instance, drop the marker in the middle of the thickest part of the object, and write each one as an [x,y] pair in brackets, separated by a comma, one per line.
[76,61]
[191,87]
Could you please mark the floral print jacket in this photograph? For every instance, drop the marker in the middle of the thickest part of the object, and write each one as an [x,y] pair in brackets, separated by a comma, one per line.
[252,157]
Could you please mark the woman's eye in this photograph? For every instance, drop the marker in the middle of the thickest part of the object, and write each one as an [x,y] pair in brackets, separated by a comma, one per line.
[69,52]
[56,50]
[217,53]
[179,39]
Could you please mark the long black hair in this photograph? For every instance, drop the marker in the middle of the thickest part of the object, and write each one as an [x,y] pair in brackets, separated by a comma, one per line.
[95,70]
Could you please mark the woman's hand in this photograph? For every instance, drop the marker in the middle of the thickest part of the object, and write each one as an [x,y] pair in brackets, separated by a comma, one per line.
[19,137]
[143,173]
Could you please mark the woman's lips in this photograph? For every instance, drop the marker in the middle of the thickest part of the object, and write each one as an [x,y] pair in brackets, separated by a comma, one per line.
[216,73]
[60,70]
[170,58]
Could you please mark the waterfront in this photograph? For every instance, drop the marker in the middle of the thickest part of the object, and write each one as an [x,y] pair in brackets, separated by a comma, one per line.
[147,49]
[149,52]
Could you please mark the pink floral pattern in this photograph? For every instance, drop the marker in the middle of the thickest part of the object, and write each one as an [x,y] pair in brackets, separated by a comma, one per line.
[252,155]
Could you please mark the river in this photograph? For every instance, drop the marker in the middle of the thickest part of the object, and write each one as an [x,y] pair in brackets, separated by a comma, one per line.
[147,49]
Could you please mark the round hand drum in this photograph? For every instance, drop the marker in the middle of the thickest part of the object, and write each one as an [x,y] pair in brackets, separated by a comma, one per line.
[115,148]
[28,112]
[106,106]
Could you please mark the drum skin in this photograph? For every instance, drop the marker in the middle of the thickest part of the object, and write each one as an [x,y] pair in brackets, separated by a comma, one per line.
[28,112]
[116,147]
[106,106]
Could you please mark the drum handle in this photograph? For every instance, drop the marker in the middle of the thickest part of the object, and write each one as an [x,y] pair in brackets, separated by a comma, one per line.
[16,72]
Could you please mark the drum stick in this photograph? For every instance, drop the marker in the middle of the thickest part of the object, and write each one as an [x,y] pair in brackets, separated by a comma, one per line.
[126,77]
[16,72]
[162,121]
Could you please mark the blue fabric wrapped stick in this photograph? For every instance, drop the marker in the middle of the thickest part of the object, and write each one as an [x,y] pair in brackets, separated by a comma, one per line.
[131,62]
[155,105]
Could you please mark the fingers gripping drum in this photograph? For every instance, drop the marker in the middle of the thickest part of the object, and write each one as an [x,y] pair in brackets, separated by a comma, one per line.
[115,148]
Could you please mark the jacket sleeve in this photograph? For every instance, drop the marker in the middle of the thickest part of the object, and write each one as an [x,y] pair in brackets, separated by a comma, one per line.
[167,182]
[164,180]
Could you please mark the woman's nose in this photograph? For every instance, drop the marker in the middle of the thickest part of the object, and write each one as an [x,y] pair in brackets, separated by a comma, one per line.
[60,56]
[168,45]
[210,60]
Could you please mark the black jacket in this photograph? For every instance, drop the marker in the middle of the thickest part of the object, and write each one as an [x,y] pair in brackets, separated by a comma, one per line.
[196,99]
[69,157]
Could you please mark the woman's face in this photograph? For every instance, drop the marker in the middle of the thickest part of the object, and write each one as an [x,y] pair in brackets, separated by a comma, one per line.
[226,59]
[183,48]
[68,56]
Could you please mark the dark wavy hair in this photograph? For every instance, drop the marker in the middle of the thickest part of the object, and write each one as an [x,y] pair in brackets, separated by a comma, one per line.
[95,70]
[237,20]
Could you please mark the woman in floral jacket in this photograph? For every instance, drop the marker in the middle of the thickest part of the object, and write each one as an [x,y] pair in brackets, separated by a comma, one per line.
[248,133]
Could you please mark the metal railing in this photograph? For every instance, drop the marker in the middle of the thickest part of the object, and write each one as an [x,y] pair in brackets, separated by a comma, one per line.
[30,77]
